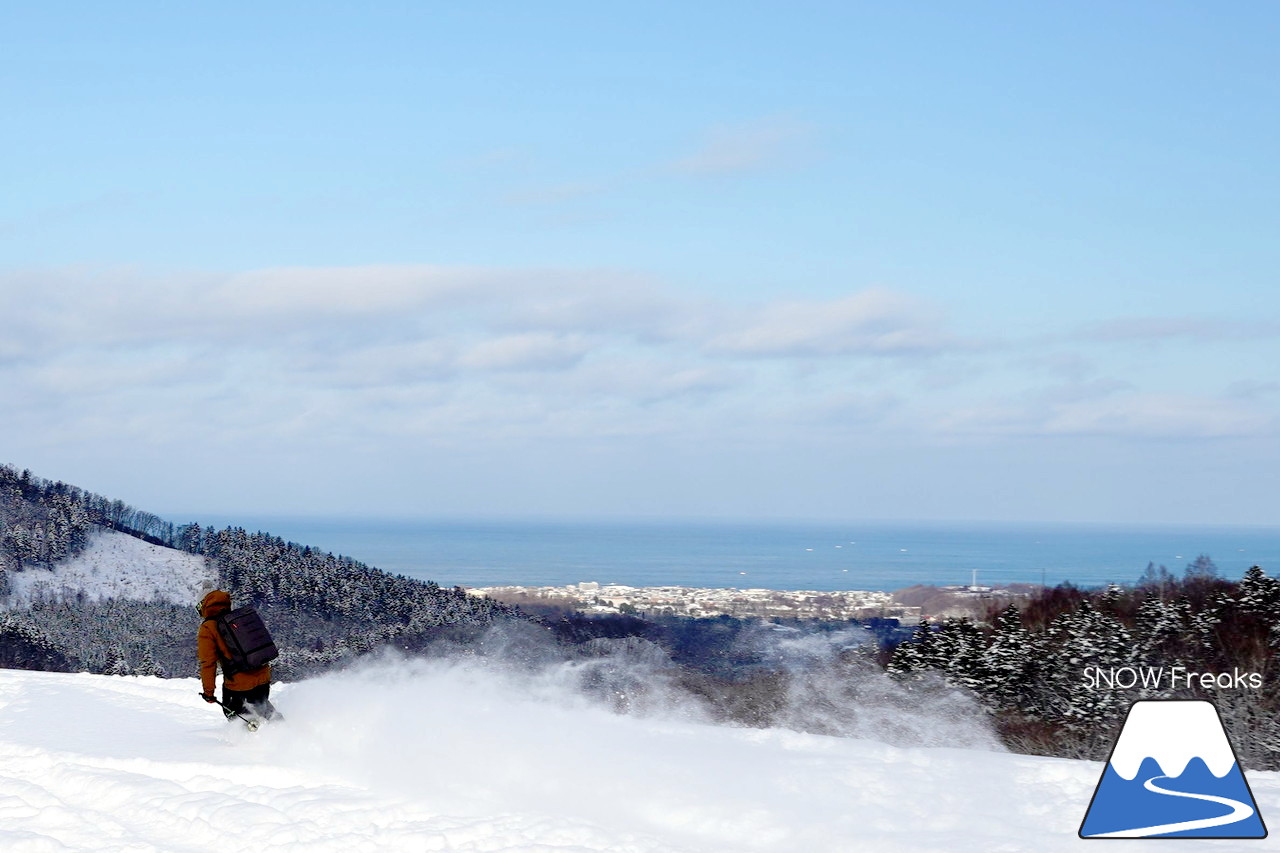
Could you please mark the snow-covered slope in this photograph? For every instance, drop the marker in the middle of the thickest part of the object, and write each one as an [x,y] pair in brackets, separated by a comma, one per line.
[116,565]
[463,757]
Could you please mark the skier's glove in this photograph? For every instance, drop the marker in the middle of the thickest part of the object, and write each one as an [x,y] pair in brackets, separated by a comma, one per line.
[208,697]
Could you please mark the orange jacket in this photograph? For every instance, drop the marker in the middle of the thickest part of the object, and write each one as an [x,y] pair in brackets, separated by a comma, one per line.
[211,650]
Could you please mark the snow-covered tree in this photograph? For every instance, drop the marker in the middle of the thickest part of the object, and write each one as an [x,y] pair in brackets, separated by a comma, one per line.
[149,666]
[915,654]
[1205,622]
[1260,594]
[1159,628]
[190,538]
[24,646]
[1009,663]
[957,651]
[116,663]
[1079,640]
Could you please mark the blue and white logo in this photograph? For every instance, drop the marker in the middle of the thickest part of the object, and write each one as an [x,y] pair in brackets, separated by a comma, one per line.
[1173,774]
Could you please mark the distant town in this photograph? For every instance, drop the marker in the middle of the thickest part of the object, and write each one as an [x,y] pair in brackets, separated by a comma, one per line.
[596,598]
[908,606]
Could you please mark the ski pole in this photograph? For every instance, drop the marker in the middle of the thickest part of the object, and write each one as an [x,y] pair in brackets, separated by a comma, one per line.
[252,725]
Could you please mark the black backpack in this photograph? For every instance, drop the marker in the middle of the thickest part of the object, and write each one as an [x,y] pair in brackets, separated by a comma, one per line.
[248,641]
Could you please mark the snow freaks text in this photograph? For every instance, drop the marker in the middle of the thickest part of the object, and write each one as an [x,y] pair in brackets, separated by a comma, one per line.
[1172,677]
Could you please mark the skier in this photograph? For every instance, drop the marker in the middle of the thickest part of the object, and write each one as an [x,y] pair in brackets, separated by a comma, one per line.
[251,687]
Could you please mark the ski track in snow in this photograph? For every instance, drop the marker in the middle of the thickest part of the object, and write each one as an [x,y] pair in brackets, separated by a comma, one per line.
[451,758]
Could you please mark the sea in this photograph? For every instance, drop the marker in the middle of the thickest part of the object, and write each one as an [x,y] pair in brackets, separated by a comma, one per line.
[772,555]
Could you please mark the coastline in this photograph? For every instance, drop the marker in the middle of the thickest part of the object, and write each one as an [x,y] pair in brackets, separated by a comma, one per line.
[820,556]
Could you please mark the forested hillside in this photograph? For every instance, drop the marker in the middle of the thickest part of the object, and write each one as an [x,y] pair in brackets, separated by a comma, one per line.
[328,608]
[43,522]
[321,608]
[1059,675]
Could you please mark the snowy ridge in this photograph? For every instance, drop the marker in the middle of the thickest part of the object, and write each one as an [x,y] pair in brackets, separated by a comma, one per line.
[1172,733]
[420,756]
[116,565]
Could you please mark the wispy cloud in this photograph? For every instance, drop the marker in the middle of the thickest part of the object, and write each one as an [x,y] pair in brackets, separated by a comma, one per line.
[1115,410]
[873,322]
[111,202]
[1126,329]
[1157,415]
[1071,366]
[722,150]
[346,292]
[750,146]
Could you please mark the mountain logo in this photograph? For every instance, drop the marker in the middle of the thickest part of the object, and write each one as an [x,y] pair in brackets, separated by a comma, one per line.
[1173,774]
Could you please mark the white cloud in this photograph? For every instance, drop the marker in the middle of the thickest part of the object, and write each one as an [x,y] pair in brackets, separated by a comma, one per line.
[1114,410]
[647,378]
[599,302]
[344,365]
[1077,392]
[560,314]
[529,351]
[83,375]
[53,311]
[1157,415]
[341,291]
[470,355]
[873,322]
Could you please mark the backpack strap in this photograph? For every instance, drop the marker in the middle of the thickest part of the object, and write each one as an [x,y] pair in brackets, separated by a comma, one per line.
[220,644]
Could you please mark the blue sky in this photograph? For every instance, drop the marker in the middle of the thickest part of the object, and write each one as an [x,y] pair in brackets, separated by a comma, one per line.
[931,261]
